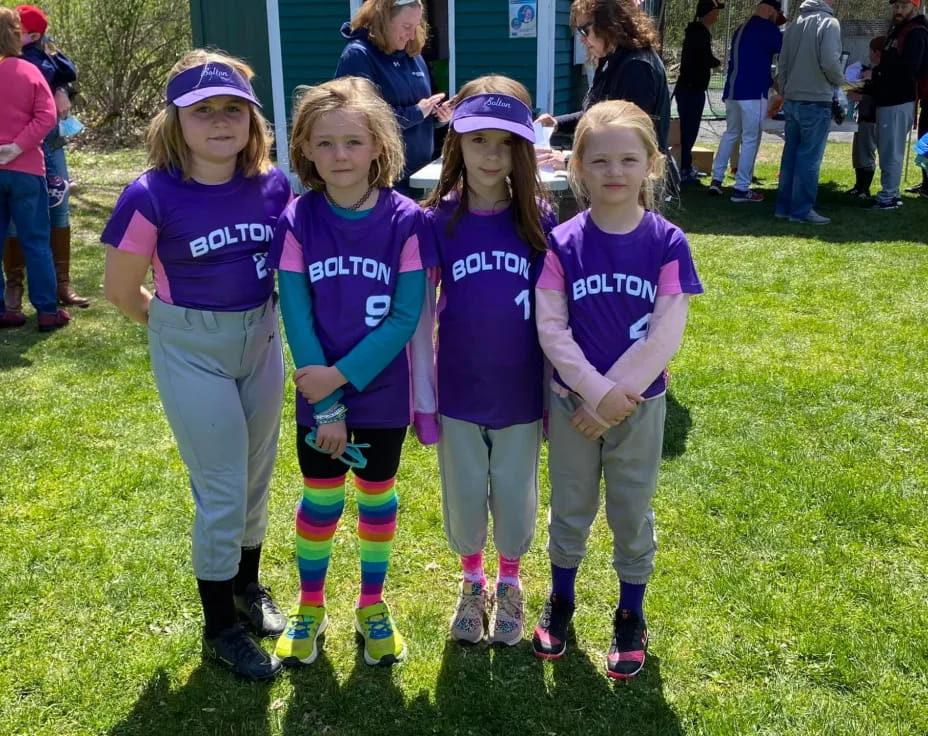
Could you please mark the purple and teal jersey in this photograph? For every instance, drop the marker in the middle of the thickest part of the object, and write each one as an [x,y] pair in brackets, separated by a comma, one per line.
[208,244]
[612,281]
[489,365]
[352,267]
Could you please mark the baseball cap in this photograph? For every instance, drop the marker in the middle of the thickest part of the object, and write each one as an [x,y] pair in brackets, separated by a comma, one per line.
[916,3]
[704,7]
[778,6]
[32,19]
[208,80]
[497,112]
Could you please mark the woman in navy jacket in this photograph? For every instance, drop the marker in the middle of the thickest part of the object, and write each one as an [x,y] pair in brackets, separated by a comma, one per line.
[385,41]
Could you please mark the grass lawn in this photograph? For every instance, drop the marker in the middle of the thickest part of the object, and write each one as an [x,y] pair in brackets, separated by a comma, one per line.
[791,591]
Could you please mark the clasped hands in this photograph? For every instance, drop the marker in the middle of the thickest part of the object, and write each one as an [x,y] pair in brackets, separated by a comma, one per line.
[614,408]
[315,382]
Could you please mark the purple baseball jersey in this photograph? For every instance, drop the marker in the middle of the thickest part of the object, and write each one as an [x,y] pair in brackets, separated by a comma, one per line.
[352,267]
[208,244]
[612,282]
[489,365]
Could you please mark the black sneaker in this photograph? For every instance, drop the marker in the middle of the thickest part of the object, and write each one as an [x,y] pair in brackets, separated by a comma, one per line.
[549,640]
[917,189]
[237,651]
[629,641]
[715,187]
[876,204]
[257,608]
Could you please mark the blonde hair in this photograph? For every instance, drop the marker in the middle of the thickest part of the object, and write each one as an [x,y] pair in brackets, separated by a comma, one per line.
[165,139]
[375,16]
[618,114]
[524,181]
[347,93]
[10,32]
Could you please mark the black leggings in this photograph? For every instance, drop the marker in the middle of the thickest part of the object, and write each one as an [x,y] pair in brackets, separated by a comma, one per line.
[383,455]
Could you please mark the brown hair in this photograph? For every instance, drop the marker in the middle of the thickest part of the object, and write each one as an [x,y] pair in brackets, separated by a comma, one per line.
[10,32]
[619,114]
[620,23]
[346,93]
[878,43]
[165,139]
[375,16]
[528,194]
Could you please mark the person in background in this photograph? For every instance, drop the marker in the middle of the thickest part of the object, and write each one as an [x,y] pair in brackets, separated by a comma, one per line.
[385,42]
[753,46]
[897,82]
[620,39]
[863,147]
[696,64]
[809,69]
[27,113]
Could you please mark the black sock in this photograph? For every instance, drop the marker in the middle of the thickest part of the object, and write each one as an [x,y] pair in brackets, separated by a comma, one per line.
[866,179]
[218,607]
[247,568]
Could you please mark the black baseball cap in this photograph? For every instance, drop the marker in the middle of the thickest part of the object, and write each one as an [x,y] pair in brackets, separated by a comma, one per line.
[704,7]
[778,6]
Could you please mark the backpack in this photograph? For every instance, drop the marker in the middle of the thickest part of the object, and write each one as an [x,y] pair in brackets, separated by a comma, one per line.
[921,79]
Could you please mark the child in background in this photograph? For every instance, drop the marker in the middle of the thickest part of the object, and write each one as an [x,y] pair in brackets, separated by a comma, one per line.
[490,222]
[352,286]
[863,147]
[611,304]
[202,218]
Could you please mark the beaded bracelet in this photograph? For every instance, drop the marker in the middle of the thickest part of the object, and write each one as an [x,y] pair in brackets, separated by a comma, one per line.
[334,413]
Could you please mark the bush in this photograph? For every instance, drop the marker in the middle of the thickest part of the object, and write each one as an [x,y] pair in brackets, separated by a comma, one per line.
[123,50]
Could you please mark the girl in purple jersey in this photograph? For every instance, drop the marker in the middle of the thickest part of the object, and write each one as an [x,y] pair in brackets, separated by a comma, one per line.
[352,287]
[612,305]
[490,221]
[202,219]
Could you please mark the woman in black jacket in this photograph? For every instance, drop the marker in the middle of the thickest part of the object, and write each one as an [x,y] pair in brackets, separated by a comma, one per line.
[696,64]
[621,40]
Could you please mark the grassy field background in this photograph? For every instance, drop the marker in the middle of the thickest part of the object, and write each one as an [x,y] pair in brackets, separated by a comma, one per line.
[791,591]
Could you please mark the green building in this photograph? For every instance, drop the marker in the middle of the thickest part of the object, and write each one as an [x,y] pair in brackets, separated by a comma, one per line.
[293,42]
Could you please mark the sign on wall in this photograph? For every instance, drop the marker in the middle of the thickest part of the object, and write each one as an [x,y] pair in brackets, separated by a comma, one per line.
[523,18]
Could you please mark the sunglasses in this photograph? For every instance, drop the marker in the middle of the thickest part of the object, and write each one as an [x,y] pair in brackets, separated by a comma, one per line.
[400,3]
[584,30]
[352,456]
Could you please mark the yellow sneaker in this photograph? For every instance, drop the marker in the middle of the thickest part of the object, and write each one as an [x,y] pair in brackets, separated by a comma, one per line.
[298,644]
[383,644]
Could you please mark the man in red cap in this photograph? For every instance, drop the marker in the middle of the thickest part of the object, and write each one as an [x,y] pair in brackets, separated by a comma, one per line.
[903,68]
[32,19]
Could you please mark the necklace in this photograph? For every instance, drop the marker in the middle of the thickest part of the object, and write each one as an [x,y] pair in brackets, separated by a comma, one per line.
[356,206]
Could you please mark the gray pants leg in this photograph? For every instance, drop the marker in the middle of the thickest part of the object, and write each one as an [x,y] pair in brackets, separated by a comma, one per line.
[220,378]
[487,471]
[863,147]
[893,124]
[628,455]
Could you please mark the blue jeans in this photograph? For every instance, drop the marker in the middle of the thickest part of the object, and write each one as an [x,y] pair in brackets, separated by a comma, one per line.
[807,126]
[24,199]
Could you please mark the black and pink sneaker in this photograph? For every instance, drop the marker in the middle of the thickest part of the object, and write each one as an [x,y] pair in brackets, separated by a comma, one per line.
[549,640]
[629,641]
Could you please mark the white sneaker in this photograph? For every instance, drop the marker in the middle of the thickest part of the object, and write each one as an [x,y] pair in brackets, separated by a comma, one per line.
[467,623]
[506,621]
[813,218]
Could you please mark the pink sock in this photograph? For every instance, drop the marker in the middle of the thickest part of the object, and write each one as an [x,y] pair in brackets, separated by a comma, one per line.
[509,571]
[472,565]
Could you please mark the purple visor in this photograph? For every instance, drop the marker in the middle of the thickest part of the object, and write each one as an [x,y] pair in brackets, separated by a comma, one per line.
[208,80]
[494,112]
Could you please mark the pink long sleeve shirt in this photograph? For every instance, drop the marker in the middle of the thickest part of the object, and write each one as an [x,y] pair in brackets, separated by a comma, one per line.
[26,114]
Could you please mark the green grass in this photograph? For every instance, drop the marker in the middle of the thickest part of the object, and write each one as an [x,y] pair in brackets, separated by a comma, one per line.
[791,591]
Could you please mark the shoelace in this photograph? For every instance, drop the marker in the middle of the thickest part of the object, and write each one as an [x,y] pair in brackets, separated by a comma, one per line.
[264,600]
[243,644]
[471,607]
[509,604]
[379,628]
[298,627]
[628,634]
[546,615]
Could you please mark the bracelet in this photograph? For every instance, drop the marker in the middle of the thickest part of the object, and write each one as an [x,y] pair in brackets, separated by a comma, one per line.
[334,413]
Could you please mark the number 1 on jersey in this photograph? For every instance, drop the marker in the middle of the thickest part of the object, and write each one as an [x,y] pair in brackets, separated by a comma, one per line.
[522,299]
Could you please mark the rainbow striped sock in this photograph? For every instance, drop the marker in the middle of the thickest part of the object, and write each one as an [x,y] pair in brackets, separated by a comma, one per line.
[317,518]
[377,504]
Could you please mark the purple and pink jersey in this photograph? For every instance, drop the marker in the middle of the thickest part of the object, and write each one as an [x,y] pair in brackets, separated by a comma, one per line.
[208,244]
[352,267]
[612,281]
[489,365]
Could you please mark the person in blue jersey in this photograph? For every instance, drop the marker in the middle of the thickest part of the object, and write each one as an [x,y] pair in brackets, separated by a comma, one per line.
[385,42]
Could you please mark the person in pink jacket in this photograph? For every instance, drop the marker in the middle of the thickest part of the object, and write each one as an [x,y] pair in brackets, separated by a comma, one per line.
[27,114]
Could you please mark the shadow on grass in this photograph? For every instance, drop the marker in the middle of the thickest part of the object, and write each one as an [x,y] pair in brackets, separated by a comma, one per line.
[852,222]
[509,690]
[211,701]
[677,425]
[369,702]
